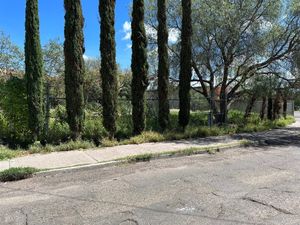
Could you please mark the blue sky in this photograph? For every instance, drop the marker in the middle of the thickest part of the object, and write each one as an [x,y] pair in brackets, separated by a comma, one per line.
[12,20]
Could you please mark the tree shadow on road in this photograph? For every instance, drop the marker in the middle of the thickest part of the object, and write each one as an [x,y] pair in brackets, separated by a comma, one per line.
[289,136]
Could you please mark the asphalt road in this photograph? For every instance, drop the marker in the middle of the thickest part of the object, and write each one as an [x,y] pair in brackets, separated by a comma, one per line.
[254,185]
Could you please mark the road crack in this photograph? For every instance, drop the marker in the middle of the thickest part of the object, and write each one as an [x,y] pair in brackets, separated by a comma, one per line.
[284,211]
[131,221]
[26,216]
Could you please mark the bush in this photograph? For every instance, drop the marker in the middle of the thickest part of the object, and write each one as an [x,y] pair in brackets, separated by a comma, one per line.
[235,117]
[93,129]
[58,132]
[254,118]
[15,174]
[14,117]
[3,124]
[124,121]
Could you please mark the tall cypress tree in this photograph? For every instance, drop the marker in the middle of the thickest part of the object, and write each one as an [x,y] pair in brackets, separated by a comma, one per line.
[108,65]
[34,69]
[185,64]
[163,64]
[139,66]
[74,66]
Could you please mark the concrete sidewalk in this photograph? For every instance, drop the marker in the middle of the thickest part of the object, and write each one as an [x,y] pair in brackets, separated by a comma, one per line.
[101,155]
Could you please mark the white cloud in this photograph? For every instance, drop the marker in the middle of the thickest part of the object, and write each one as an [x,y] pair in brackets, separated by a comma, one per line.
[174,34]
[128,46]
[127,26]
[127,30]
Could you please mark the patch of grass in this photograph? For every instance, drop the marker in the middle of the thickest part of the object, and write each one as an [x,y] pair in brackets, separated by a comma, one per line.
[147,136]
[106,142]
[282,122]
[140,158]
[6,153]
[68,146]
[15,174]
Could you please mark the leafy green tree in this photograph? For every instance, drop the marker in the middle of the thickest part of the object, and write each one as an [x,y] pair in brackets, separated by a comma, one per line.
[11,56]
[108,65]
[163,64]
[34,69]
[233,41]
[74,66]
[92,82]
[139,66]
[185,64]
[53,55]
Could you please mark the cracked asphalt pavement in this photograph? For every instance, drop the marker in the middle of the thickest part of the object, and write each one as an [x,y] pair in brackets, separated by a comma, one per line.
[254,185]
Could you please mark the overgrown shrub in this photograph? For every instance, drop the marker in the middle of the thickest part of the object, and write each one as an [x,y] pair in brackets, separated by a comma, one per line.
[236,117]
[124,120]
[14,117]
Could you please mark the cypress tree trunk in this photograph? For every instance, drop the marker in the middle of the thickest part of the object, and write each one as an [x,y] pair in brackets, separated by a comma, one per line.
[250,106]
[108,65]
[277,106]
[270,108]
[34,69]
[263,108]
[139,66]
[74,66]
[285,105]
[163,64]
[185,64]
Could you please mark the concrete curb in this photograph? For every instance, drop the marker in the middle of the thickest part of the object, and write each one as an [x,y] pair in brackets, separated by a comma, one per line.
[155,156]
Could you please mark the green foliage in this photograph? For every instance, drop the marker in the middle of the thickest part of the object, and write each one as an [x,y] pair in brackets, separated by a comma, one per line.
[74,66]
[62,147]
[139,66]
[11,56]
[108,65]
[58,127]
[53,55]
[140,158]
[144,137]
[108,142]
[236,117]
[34,69]
[124,122]
[14,115]
[6,153]
[15,174]
[93,126]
